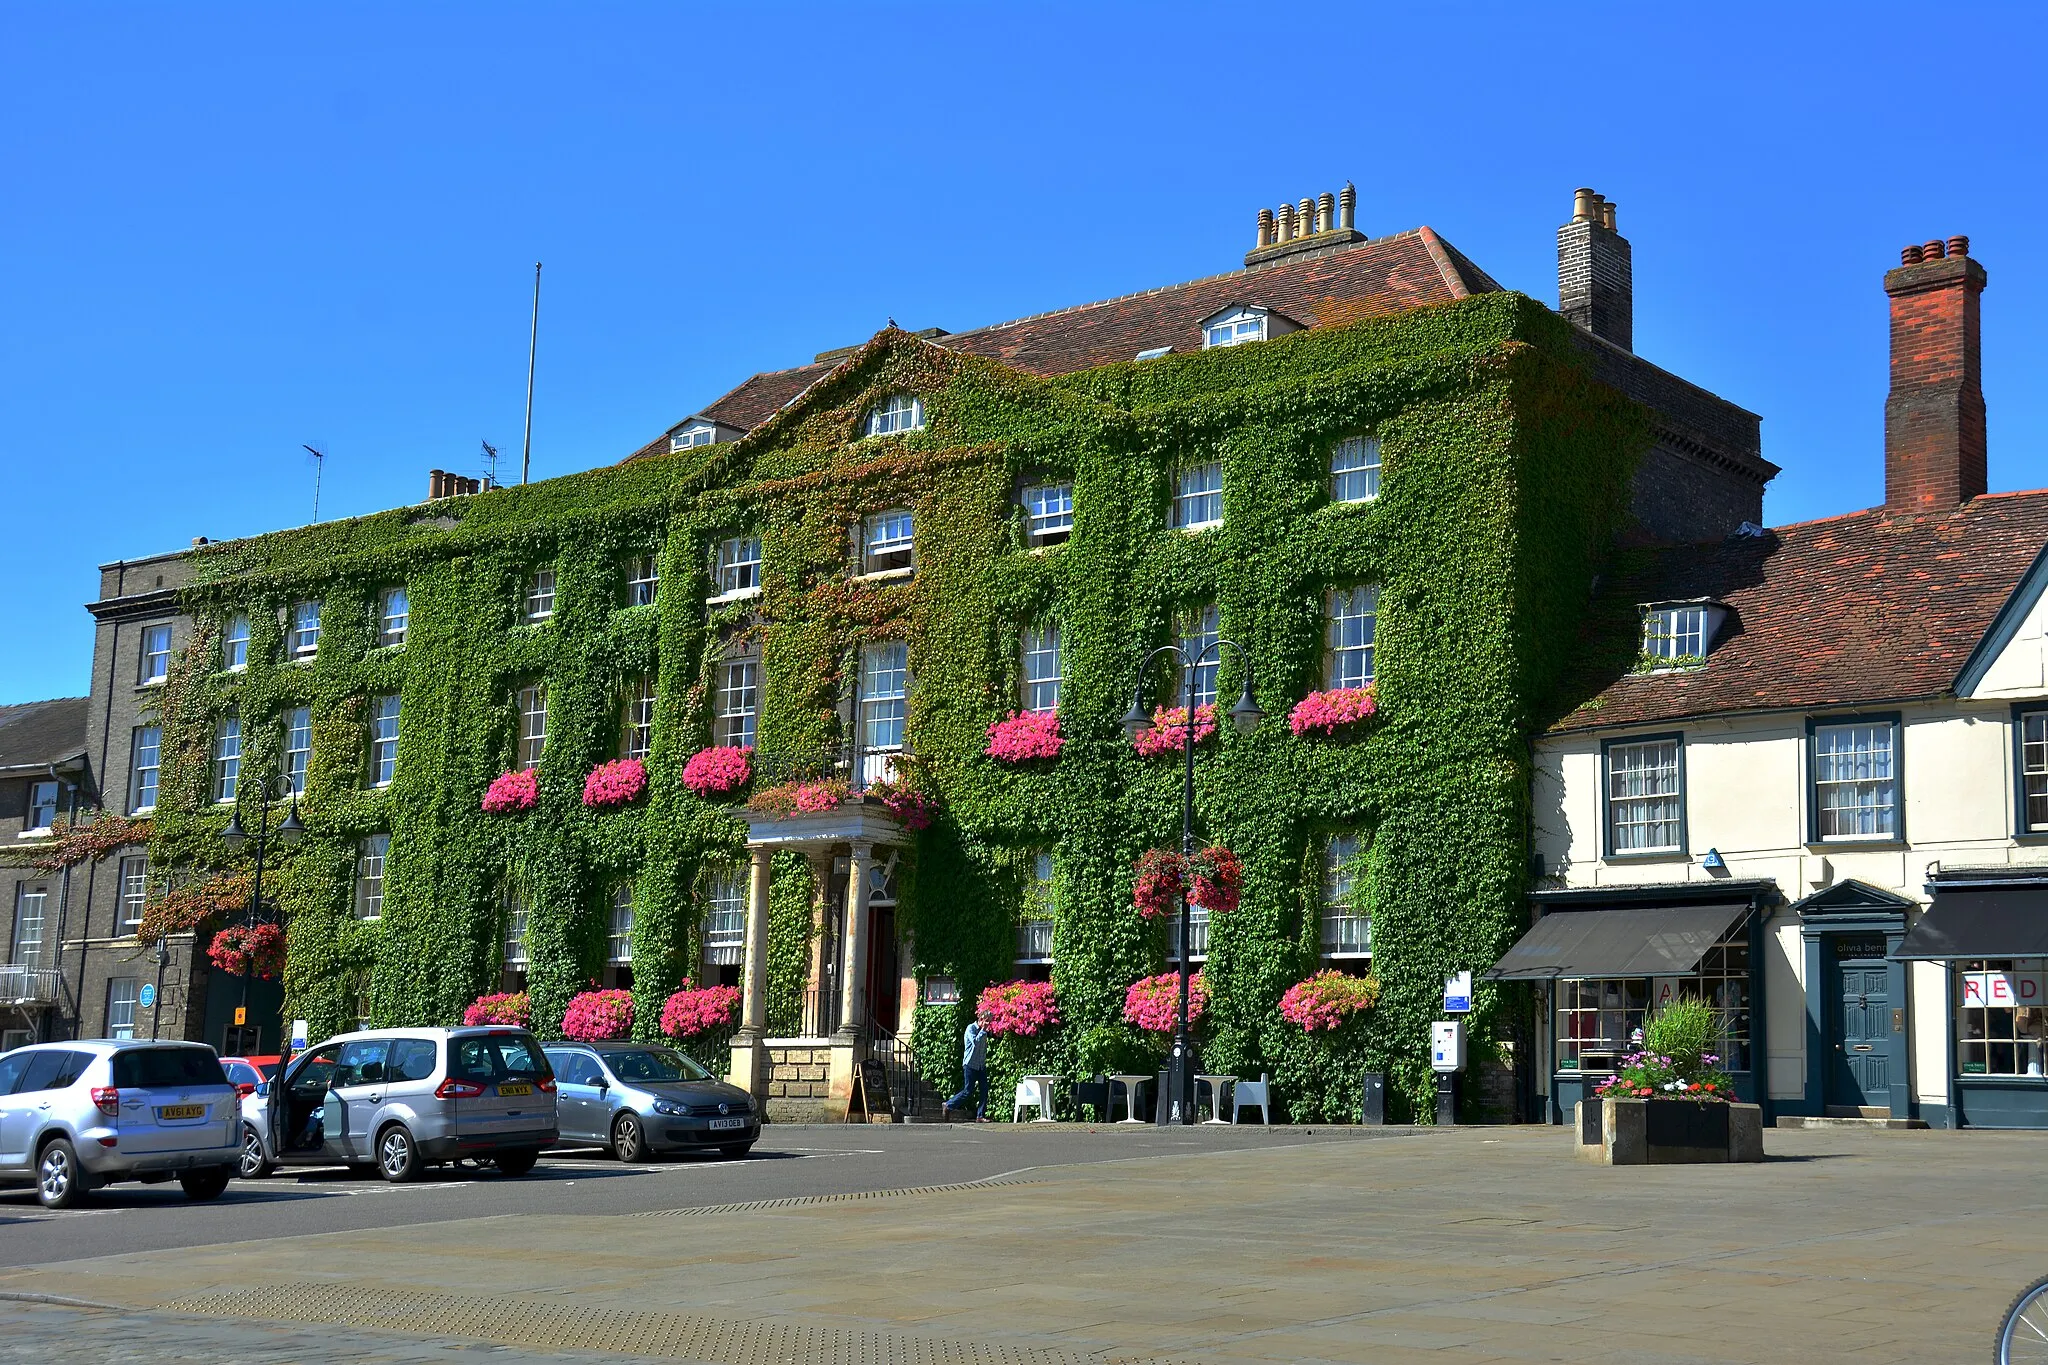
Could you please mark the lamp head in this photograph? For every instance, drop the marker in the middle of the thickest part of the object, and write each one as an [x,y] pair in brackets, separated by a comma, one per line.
[234,836]
[1136,722]
[1246,715]
[288,833]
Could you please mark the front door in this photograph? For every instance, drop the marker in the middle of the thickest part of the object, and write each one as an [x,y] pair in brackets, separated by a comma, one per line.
[1861,1026]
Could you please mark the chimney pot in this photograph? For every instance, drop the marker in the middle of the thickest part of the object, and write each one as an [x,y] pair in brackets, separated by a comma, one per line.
[1326,211]
[1934,250]
[1265,228]
[1347,207]
[1959,246]
[1583,205]
[1607,215]
[1934,440]
[1305,218]
[1909,255]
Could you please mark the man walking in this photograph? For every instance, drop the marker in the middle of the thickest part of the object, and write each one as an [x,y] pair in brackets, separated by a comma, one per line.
[974,1066]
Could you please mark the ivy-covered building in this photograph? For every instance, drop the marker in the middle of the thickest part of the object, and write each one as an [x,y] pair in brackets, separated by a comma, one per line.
[1357,458]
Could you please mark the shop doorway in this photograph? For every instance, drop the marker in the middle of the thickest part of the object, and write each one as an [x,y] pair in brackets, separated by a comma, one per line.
[1859,1027]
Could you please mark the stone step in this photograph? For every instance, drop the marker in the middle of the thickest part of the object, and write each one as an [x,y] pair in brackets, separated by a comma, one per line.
[1837,1121]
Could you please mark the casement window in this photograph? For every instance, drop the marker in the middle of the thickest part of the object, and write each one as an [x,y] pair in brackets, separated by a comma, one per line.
[304,639]
[697,434]
[31,901]
[1235,328]
[145,760]
[42,807]
[1855,791]
[643,580]
[298,748]
[884,690]
[1645,789]
[1997,1035]
[1355,469]
[370,854]
[540,597]
[234,645]
[1199,629]
[1353,623]
[384,740]
[887,541]
[618,938]
[1042,667]
[1048,513]
[227,758]
[1346,920]
[638,738]
[156,655]
[1595,1020]
[739,701]
[1034,927]
[2030,733]
[1198,497]
[122,994]
[515,930]
[725,924]
[739,565]
[898,412]
[134,890]
[1675,633]
[393,609]
[533,724]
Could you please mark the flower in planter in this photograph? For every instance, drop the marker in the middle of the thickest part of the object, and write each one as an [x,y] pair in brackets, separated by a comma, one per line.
[1674,1058]
[799,798]
[598,1016]
[1169,732]
[718,770]
[506,1007]
[1022,1009]
[1212,878]
[1024,736]
[691,1011]
[235,948]
[1325,713]
[1160,879]
[615,783]
[1328,1000]
[514,791]
[910,806]
[1152,1003]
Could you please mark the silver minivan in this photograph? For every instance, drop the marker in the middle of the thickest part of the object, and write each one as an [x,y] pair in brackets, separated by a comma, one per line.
[402,1099]
[78,1115]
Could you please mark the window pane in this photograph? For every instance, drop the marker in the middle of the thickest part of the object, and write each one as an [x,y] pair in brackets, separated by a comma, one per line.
[298,748]
[889,533]
[884,683]
[1855,794]
[515,930]
[1048,510]
[235,645]
[738,702]
[31,903]
[305,632]
[1675,633]
[1355,469]
[533,724]
[1199,631]
[370,854]
[739,564]
[725,928]
[227,759]
[1346,922]
[1353,623]
[1042,667]
[1595,1020]
[156,654]
[391,619]
[1198,498]
[122,993]
[384,741]
[1644,803]
[899,412]
[42,805]
[540,596]
[643,581]
[1995,1034]
[639,718]
[619,931]
[147,752]
[2034,770]
[134,889]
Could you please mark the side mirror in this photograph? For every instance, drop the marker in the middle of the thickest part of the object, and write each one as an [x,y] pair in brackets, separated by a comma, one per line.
[603,1084]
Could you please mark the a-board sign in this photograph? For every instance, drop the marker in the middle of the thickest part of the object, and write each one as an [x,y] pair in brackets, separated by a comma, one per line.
[874,1085]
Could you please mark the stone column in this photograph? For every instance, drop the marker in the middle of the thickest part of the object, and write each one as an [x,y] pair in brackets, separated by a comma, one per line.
[815,1008]
[749,1058]
[853,978]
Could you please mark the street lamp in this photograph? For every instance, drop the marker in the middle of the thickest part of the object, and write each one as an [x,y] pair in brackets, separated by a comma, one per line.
[235,837]
[1245,717]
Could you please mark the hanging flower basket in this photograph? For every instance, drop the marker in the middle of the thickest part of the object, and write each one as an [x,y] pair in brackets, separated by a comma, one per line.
[912,808]
[513,792]
[1169,732]
[1021,1009]
[1158,888]
[1024,736]
[614,784]
[598,1016]
[693,1012]
[233,948]
[1328,1000]
[719,770]
[1152,1003]
[1213,879]
[506,1007]
[799,798]
[1327,713]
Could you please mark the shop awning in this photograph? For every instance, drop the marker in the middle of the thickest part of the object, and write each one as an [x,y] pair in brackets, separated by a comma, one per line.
[1981,922]
[1663,941]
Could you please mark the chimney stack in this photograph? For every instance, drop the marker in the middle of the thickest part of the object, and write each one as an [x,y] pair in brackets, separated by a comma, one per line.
[1596,272]
[1324,222]
[1934,446]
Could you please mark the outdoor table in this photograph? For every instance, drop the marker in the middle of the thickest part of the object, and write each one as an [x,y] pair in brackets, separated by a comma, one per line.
[1045,1085]
[1131,1084]
[1215,1097]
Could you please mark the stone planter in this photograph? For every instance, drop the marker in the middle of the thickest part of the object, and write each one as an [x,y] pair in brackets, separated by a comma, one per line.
[1621,1132]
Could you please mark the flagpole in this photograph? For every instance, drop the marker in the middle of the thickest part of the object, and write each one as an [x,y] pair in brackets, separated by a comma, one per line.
[532,346]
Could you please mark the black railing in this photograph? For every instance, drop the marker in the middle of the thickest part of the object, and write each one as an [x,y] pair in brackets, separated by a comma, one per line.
[857,766]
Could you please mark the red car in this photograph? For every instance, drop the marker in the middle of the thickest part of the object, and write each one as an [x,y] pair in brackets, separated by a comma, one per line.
[248,1072]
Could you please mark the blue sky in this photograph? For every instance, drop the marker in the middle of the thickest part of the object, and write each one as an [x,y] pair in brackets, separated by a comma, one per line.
[233,231]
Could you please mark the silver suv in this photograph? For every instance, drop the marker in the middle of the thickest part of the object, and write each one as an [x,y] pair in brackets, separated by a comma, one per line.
[75,1116]
[401,1099]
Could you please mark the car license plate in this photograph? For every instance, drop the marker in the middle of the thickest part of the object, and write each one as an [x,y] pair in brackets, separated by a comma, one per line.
[510,1090]
[717,1124]
[180,1111]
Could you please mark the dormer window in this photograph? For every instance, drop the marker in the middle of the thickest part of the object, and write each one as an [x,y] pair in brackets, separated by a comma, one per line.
[898,412]
[1235,328]
[1679,634]
[886,541]
[694,434]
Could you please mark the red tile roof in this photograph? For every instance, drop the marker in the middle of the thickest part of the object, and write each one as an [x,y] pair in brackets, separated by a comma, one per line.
[1856,609]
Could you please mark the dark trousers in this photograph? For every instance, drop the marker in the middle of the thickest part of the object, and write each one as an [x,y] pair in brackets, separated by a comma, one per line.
[976,1086]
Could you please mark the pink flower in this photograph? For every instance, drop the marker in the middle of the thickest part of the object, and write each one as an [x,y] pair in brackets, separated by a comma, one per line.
[1212,878]
[1327,999]
[799,798]
[910,806]
[515,791]
[508,1007]
[718,770]
[598,1016]
[815,797]
[1327,712]
[240,948]
[614,783]
[689,1012]
[1152,1003]
[1169,732]
[1025,735]
[1020,1008]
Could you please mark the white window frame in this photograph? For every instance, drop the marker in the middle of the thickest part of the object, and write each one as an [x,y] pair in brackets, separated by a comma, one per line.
[133,889]
[1672,634]
[888,541]
[1355,469]
[1197,632]
[234,645]
[739,566]
[1643,789]
[517,959]
[36,805]
[1350,631]
[643,580]
[1345,926]
[1235,328]
[898,413]
[298,749]
[1848,761]
[1042,666]
[739,701]
[304,642]
[124,993]
[618,936]
[373,851]
[394,610]
[384,722]
[31,917]
[155,664]
[725,919]
[1048,513]
[227,759]
[142,777]
[638,711]
[2031,736]
[696,434]
[539,605]
[1035,926]
[1198,496]
[884,706]
[531,702]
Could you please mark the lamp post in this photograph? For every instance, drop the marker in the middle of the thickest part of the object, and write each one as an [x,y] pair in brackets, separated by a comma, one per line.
[1245,716]
[234,836]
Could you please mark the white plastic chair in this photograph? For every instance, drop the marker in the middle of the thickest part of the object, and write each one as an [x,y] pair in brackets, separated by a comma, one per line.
[1027,1098]
[1258,1092]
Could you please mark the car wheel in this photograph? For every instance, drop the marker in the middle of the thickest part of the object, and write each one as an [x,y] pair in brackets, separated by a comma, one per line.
[629,1143]
[210,1183]
[517,1162]
[398,1156]
[60,1183]
[254,1165]
[737,1149]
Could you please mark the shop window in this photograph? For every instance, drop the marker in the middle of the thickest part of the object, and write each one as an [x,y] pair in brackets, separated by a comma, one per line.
[725,923]
[2032,727]
[1042,667]
[1198,497]
[1346,920]
[1199,629]
[1348,646]
[1596,1020]
[1856,779]
[1645,795]
[1722,982]
[2001,1022]
[1048,513]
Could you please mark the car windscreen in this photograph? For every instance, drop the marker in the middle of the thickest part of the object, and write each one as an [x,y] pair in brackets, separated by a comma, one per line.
[497,1057]
[143,1067]
[654,1064]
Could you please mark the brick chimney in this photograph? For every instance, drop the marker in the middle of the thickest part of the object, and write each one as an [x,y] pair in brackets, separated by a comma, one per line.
[1934,416]
[1596,272]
